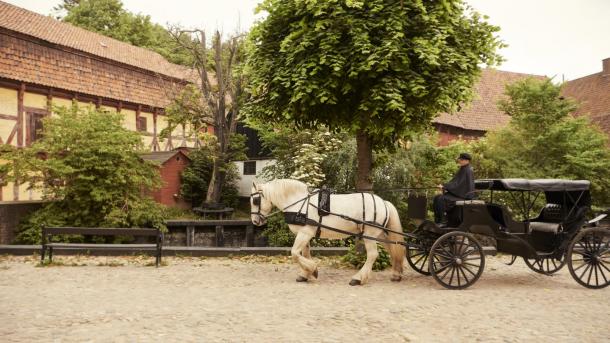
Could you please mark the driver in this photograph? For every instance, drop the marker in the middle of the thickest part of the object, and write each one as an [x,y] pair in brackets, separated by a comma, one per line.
[461,187]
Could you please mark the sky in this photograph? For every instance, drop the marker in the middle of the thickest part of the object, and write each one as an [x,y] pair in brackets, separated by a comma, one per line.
[565,39]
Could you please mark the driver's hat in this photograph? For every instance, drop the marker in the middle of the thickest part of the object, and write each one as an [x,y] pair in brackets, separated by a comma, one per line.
[464,156]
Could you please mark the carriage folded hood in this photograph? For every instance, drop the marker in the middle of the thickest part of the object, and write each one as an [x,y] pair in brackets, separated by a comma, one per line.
[544,185]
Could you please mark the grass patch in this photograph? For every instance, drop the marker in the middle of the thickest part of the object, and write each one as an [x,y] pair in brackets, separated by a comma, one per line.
[163,263]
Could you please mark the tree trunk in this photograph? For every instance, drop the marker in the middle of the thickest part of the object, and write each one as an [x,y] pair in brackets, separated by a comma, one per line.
[365,162]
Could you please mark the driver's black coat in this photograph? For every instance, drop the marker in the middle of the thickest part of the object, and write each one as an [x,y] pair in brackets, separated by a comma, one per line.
[462,183]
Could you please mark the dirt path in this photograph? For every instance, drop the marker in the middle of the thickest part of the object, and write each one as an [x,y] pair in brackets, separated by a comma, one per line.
[257,300]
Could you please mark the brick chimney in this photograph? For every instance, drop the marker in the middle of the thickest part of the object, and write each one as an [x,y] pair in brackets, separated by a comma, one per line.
[606,67]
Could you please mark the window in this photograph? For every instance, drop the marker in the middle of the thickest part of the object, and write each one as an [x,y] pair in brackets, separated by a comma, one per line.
[250,168]
[34,126]
[141,124]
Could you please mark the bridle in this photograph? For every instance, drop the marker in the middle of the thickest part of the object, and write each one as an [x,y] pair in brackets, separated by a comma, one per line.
[257,201]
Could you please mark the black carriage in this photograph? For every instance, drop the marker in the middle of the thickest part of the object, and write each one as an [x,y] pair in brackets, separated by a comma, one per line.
[558,234]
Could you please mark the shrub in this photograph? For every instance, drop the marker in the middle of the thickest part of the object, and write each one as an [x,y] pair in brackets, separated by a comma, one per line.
[357,259]
[88,165]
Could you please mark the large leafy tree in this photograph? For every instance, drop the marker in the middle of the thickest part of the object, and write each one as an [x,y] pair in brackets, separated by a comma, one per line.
[379,69]
[543,140]
[110,18]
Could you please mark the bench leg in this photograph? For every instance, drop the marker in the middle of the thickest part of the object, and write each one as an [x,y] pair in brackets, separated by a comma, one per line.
[42,253]
[50,254]
[220,242]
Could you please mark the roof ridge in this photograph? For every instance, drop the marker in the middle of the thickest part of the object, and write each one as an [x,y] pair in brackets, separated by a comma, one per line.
[513,72]
[112,48]
[586,76]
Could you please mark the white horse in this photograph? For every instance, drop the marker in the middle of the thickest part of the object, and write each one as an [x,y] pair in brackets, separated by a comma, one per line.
[293,196]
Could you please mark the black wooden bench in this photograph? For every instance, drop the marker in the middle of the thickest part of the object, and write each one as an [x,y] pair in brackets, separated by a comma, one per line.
[48,245]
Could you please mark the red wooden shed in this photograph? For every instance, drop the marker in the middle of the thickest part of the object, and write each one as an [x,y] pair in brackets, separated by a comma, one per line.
[171,164]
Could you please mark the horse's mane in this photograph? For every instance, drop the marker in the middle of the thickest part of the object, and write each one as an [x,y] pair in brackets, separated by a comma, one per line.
[278,190]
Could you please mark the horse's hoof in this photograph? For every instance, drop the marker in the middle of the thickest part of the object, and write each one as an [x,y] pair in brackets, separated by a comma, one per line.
[315,274]
[396,278]
[301,279]
[355,282]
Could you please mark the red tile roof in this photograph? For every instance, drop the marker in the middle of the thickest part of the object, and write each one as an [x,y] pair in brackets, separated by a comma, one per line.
[483,114]
[46,28]
[593,94]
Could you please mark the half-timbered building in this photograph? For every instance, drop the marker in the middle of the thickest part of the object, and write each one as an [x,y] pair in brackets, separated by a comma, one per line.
[46,63]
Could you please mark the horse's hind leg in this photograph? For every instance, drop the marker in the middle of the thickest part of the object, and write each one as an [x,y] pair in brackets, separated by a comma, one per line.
[365,272]
[307,265]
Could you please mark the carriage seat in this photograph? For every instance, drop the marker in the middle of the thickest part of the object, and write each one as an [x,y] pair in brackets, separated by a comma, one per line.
[545,227]
[549,220]
[469,202]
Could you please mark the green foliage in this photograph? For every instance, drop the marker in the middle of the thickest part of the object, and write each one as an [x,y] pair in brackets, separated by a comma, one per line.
[357,259]
[277,232]
[196,177]
[382,67]
[109,18]
[543,140]
[309,157]
[88,166]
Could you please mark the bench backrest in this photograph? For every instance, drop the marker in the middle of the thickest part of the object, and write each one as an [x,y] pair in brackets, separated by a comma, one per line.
[100,231]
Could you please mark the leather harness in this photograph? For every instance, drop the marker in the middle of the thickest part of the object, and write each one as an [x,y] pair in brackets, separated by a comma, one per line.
[301,218]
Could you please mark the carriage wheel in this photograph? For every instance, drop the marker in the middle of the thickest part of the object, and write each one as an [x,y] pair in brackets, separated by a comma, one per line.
[589,258]
[417,257]
[546,265]
[456,260]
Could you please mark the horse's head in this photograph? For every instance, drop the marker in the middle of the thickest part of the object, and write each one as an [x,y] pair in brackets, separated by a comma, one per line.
[260,206]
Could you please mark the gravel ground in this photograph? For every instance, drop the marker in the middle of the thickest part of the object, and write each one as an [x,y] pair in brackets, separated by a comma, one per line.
[255,299]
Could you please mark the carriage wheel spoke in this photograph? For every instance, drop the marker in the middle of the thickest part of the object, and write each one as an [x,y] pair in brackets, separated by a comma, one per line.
[458,275]
[466,281]
[590,274]
[554,264]
[596,279]
[468,269]
[445,274]
[451,277]
[415,255]
[472,265]
[472,258]
[604,265]
[466,253]
[422,257]
[441,264]
[441,253]
[604,251]
[601,271]
[584,271]
[582,265]
[462,244]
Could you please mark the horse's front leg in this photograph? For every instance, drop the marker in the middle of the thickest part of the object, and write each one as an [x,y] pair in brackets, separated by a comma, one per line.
[307,265]
[365,272]
[307,254]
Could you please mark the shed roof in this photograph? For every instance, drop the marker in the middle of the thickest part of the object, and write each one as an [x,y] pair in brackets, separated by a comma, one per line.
[160,157]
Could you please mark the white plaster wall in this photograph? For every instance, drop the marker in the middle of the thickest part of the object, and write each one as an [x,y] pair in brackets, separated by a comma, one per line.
[245,181]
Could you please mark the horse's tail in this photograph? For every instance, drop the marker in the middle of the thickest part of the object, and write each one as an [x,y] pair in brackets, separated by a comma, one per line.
[397,251]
